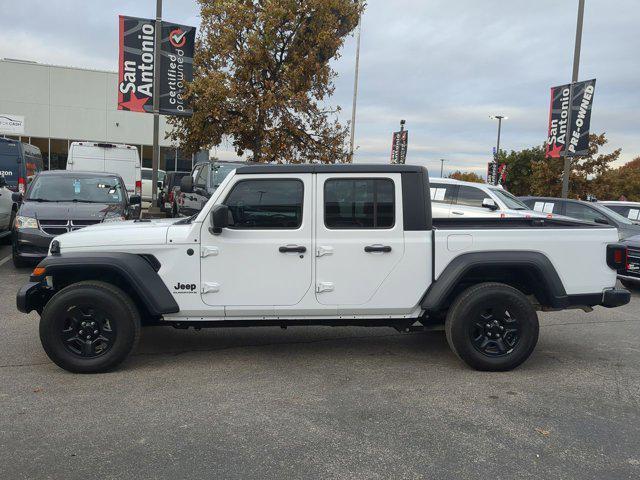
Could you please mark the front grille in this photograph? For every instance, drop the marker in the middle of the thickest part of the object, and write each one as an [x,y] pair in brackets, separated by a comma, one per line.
[633,262]
[58,227]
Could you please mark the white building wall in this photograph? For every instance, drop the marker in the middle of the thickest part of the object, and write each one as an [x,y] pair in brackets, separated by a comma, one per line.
[72,103]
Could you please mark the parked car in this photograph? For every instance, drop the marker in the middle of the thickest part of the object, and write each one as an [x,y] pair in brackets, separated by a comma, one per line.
[19,164]
[205,178]
[147,194]
[587,211]
[452,198]
[123,160]
[59,201]
[630,275]
[332,245]
[168,196]
[6,210]
[631,210]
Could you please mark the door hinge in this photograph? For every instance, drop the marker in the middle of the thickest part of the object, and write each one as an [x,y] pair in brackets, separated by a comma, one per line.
[324,287]
[207,251]
[324,250]
[210,287]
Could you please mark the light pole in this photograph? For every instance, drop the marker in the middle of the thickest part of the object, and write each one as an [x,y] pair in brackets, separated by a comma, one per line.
[155,161]
[574,78]
[442,160]
[495,158]
[355,84]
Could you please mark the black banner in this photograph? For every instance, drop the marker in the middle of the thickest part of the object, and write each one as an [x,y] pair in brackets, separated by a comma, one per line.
[136,65]
[399,146]
[564,140]
[176,67]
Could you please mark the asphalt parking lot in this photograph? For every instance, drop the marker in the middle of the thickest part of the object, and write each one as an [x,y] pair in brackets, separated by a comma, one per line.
[323,403]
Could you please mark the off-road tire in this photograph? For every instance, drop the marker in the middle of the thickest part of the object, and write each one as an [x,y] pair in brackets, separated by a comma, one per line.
[472,305]
[123,318]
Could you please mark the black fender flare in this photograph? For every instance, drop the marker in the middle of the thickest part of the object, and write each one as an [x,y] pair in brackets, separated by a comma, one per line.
[439,290]
[137,271]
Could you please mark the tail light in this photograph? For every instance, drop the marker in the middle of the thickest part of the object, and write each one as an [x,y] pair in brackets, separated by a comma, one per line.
[138,187]
[21,185]
[617,256]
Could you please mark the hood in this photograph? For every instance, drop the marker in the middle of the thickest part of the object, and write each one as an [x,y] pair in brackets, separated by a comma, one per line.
[118,234]
[70,210]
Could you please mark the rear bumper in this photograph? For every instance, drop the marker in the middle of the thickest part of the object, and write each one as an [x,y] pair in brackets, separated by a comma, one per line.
[614,297]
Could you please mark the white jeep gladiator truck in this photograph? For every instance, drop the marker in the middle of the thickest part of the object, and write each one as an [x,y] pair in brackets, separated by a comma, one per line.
[320,245]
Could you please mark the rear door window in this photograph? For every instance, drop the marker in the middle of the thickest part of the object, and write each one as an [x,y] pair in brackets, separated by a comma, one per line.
[442,192]
[359,203]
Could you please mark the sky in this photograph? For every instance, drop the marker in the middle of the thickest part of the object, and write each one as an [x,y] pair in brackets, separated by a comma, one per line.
[445,66]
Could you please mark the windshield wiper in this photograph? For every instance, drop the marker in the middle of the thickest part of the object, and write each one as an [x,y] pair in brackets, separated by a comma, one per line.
[40,200]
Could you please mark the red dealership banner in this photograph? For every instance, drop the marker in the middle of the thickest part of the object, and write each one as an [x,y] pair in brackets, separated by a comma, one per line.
[136,65]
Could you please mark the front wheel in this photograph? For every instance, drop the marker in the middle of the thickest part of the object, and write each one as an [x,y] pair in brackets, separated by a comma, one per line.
[492,327]
[89,327]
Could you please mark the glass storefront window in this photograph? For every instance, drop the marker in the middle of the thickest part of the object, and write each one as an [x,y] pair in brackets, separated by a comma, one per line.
[43,145]
[59,153]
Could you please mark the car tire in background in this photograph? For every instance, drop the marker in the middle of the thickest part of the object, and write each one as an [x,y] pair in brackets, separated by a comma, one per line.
[492,327]
[89,327]
[18,261]
[633,286]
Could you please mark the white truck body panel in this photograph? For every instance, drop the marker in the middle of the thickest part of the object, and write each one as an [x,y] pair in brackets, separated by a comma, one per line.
[241,274]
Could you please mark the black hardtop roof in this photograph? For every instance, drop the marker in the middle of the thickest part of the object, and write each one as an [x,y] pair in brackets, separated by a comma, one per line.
[329,168]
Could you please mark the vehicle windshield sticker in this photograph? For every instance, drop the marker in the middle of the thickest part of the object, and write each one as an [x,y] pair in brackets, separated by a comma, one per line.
[548,207]
[76,186]
[438,193]
[538,206]
[633,214]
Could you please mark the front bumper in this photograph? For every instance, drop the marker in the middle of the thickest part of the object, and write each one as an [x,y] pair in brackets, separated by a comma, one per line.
[32,296]
[32,243]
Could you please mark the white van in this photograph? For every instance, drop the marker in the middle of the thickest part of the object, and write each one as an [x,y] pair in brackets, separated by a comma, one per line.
[110,158]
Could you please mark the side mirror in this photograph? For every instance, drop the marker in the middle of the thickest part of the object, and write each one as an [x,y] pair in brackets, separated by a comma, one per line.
[602,221]
[186,184]
[489,203]
[219,219]
[135,200]
[16,197]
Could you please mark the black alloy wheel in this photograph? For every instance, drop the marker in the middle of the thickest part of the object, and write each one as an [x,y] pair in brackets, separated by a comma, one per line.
[492,326]
[87,331]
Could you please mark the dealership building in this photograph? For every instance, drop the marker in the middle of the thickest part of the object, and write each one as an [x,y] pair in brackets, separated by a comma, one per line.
[61,105]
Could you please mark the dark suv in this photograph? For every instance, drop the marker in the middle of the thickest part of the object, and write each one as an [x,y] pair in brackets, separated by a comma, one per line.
[197,188]
[588,211]
[62,201]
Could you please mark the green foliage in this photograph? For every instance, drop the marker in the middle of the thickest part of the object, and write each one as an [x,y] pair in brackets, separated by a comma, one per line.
[466,176]
[262,78]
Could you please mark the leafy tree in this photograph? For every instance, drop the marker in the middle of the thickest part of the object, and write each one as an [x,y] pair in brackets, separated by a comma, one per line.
[519,166]
[262,79]
[466,176]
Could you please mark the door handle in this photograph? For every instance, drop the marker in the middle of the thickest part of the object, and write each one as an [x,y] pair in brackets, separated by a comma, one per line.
[377,248]
[457,213]
[292,248]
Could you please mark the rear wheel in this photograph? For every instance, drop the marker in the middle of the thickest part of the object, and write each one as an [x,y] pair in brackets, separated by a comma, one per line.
[89,327]
[492,326]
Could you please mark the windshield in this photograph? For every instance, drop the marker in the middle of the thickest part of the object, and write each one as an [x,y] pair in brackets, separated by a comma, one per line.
[509,200]
[63,188]
[146,175]
[219,172]
[615,215]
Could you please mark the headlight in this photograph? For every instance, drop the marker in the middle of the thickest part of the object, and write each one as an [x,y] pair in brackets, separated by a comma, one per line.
[25,222]
[114,218]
